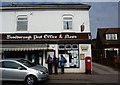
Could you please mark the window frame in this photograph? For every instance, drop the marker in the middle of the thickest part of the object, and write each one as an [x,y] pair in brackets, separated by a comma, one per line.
[61,46]
[68,19]
[68,47]
[75,46]
[111,36]
[23,20]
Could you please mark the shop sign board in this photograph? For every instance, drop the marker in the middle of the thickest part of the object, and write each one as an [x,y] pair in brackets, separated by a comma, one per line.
[45,36]
[84,48]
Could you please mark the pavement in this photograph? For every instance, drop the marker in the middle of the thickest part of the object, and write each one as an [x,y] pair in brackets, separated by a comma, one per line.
[83,78]
[102,69]
[100,74]
[69,76]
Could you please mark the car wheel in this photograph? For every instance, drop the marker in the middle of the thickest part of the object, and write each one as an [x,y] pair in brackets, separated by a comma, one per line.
[31,80]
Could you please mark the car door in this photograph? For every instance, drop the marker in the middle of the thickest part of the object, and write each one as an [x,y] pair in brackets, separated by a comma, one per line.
[1,69]
[12,72]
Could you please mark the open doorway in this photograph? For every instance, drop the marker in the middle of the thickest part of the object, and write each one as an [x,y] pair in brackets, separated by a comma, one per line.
[36,56]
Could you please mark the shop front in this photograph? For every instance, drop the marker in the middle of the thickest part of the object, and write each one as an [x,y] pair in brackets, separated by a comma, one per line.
[32,52]
[36,47]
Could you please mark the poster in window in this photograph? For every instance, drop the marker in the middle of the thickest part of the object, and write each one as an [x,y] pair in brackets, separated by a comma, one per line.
[82,56]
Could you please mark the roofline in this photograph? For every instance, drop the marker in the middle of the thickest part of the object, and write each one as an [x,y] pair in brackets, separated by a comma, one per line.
[107,28]
[63,6]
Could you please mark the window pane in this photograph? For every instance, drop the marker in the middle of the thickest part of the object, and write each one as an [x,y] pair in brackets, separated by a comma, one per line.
[68,46]
[75,47]
[70,24]
[0,64]
[9,64]
[61,47]
[111,36]
[22,26]
[107,37]
[67,18]
[67,24]
[22,18]
[115,36]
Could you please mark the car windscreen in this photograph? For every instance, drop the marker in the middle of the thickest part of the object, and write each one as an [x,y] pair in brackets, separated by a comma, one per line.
[26,63]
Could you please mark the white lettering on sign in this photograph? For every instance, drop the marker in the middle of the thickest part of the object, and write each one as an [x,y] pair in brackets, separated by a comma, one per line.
[19,37]
[67,36]
[46,36]
[40,36]
[37,37]
[60,36]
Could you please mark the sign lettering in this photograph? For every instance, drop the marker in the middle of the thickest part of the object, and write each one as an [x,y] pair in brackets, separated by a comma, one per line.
[44,36]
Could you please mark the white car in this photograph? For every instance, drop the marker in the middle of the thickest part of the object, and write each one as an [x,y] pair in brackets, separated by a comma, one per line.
[22,70]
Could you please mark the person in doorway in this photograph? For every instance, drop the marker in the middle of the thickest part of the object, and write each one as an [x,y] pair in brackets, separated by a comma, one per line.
[55,64]
[49,62]
[62,63]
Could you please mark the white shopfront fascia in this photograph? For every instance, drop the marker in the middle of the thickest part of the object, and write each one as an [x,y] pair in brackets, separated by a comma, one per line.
[84,51]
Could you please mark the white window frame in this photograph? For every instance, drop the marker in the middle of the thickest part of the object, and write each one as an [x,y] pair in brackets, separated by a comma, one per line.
[67,45]
[74,45]
[22,19]
[61,48]
[111,37]
[111,49]
[68,22]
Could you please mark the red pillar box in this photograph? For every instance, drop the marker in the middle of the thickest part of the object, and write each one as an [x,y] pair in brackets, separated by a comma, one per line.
[88,65]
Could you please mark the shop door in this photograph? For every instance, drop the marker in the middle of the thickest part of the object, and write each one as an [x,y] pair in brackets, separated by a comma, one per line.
[40,58]
[37,57]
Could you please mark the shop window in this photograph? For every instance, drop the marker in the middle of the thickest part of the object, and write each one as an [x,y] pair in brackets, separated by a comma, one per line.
[61,47]
[70,52]
[67,22]
[74,46]
[111,37]
[68,46]
[22,23]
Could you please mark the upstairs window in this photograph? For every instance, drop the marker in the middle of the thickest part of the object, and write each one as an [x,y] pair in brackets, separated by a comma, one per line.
[111,37]
[22,23]
[67,22]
